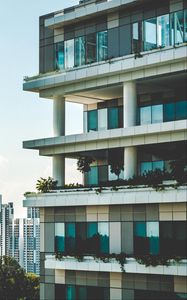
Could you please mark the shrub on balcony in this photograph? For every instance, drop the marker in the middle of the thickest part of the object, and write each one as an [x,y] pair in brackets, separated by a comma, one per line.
[83,164]
[44,185]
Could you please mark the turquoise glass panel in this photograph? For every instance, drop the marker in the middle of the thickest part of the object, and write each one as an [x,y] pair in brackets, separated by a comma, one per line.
[92,176]
[140,229]
[103,230]
[145,115]
[181,110]
[80,51]
[153,235]
[102,45]
[157,113]
[92,229]
[59,237]
[163,31]
[70,237]
[92,120]
[150,34]
[113,118]
[179,26]
[91,48]
[70,292]
[158,165]
[145,167]
[60,56]
[81,293]
[169,112]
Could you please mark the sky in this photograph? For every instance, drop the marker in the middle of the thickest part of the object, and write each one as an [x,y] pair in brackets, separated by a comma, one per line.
[23,115]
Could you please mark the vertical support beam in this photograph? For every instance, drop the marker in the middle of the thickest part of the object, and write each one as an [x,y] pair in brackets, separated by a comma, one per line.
[130,162]
[59,116]
[129,103]
[59,130]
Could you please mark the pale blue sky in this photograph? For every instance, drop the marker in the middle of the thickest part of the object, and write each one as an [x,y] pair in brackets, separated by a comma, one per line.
[23,115]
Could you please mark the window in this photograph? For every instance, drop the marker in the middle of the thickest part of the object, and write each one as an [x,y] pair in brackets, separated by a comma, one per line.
[60,56]
[157,113]
[92,120]
[179,27]
[146,238]
[102,45]
[185,25]
[69,54]
[91,48]
[80,51]
[163,31]
[92,176]
[59,237]
[136,41]
[103,231]
[70,292]
[92,238]
[70,237]
[150,34]
[169,112]
[153,235]
[181,110]
[76,292]
[145,115]
[102,119]
[113,118]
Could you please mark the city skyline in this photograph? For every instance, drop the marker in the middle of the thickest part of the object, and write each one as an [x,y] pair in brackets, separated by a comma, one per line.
[19,58]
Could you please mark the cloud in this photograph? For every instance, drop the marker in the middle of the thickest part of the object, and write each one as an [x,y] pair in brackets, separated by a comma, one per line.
[3,160]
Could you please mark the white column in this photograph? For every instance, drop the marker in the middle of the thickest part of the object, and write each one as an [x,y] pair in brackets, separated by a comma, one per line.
[129,104]
[130,162]
[59,130]
[59,169]
[59,116]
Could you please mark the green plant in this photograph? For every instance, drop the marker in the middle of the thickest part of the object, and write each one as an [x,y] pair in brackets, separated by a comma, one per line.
[44,185]
[99,190]
[83,164]
[155,260]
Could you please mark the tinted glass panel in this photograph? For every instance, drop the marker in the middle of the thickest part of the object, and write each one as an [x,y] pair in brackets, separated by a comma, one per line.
[92,176]
[113,118]
[158,165]
[179,27]
[145,115]
[102,45]
[70,237]
[82,293]
[157,113]
[81,237]
[181,110]
[92,238]
[150,28]
[69,54]
[169,112]
[59,237]
[145,167]
[153,235]
[80,51]
[60,56]
[180,236]
[92,120]
[163,31]
[185,25]
[91,48]
[140,240]
[70,292]
[102,119]
[103,230]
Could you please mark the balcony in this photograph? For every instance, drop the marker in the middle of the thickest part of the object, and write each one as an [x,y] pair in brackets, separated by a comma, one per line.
[108,196]
[131,266]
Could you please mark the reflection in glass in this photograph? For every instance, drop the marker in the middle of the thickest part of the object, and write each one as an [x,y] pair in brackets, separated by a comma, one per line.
[113,118]
[140,240]
[92,176]
[103,230]
[145,115]
[82,293]
[145,167]
[179,26]
[60,56]
[185,25]
[92,238]
[158,165]
[70,292]
[69,54]
[163,31]
[91,48]
[80,51]
[150,40]
[102,119]
[153,235]
[102,45]
[59,237]
[157,113]
[70,237]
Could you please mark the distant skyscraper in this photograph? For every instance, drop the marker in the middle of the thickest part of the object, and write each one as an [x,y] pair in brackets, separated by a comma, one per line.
[6,229]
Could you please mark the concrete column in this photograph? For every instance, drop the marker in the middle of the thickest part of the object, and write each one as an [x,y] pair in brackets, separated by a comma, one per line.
[130,162]
[59,130]
[59,169]
[59,116]
[129,104]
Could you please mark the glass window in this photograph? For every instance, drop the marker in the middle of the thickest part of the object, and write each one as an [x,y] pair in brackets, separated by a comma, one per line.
[179,26]
[135,33]
[113,118]
[80,51]
[69,54]
[103,231]
[169,112]
[145,115]
[185,25]
[92,238]
[166,238]
[102,45]
[140,240]
[163,31]
[103,174]
[92,120]
[157,113]
[82,293]
[92,176]
[81,237]
[150,28]
[153,235]
[70,237]
[111,176]
[180,236]
[91,48]
[59,237]
[181,110]
[102,119]
[60,56]
[145,167]
[158,165]
[70,292]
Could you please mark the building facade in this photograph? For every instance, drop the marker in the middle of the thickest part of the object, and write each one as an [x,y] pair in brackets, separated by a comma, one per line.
[7,215]
[125,63]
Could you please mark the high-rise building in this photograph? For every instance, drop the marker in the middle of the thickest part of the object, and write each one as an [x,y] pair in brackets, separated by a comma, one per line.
[125,62]
[6,232]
